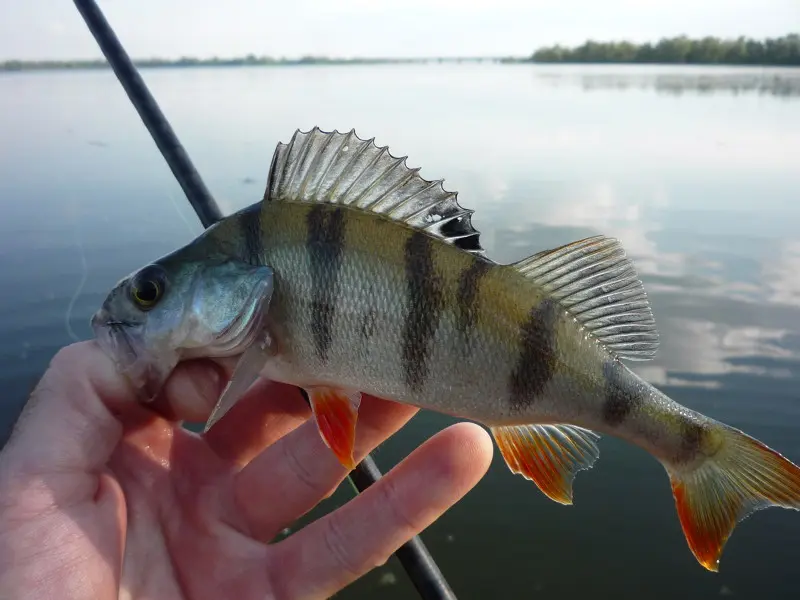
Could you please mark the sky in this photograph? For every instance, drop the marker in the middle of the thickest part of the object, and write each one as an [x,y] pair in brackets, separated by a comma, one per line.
[53,29]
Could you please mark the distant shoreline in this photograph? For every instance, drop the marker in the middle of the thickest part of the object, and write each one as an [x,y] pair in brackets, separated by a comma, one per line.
[247,61]
[708,51]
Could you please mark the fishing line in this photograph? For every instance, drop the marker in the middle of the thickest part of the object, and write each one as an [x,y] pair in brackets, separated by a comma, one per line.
[181,215]
[84,276]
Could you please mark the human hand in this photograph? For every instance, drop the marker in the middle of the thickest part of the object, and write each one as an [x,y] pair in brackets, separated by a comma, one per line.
[102,497]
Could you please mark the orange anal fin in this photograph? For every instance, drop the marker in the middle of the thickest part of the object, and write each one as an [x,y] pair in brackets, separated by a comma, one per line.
[743,476]
[548,455]
[336,412]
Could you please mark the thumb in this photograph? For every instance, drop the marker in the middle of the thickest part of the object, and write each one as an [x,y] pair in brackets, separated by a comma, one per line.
[69,422]
[51,538]
[74,418]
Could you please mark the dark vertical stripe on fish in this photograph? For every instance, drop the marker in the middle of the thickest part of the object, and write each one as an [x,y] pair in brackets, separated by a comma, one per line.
[368,324]
[620,397]
[250,224]
[692,438]
[425,304]
[325,243]
[368,317]
[468,285]
[537,355]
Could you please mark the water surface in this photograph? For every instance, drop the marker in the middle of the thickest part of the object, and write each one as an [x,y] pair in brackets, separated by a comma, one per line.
[695,170]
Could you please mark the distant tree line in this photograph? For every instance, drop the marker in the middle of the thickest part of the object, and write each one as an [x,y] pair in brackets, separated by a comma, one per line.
[244,61]
[783,51]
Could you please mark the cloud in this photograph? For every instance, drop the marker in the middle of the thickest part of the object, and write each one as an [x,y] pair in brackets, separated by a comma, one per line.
[781,274]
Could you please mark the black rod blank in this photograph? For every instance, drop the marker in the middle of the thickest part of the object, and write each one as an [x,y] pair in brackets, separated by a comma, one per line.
[413,555]
[155,121]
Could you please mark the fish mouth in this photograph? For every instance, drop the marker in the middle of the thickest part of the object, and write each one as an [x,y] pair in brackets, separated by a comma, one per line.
[145,371]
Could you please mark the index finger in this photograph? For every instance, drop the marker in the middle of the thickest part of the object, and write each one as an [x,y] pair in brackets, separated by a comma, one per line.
[334,551]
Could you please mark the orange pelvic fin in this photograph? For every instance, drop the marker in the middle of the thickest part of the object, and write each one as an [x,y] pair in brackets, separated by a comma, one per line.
[336,412]
[742,477]
[548,455]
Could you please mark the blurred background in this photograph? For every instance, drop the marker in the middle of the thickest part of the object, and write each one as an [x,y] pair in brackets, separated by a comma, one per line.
[674,126]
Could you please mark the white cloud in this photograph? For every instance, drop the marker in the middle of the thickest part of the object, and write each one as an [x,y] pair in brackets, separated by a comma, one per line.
[782,275]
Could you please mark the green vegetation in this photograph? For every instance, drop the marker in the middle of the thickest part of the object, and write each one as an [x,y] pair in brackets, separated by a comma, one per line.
[782,51]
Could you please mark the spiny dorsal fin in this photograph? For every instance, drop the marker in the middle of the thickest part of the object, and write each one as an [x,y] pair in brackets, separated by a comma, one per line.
[598,285]
[341,168]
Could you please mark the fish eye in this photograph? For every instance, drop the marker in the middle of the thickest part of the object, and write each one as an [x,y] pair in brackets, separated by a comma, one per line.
[147,287]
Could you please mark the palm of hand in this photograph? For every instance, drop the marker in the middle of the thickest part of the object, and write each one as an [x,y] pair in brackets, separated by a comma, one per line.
[121,501]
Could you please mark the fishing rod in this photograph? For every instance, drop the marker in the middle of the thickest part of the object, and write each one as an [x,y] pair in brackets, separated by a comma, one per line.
[418,563]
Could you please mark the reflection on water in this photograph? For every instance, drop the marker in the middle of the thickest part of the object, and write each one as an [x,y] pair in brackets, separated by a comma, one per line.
[701,190]
[713,294]
[676,81]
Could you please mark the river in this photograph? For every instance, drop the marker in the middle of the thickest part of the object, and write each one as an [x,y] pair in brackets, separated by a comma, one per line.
[695,170]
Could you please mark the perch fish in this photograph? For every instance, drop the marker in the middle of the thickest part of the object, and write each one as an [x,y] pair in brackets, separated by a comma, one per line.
[355,275]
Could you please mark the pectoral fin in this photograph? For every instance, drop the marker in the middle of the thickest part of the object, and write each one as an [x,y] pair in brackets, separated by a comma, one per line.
[336,412]
[246,372]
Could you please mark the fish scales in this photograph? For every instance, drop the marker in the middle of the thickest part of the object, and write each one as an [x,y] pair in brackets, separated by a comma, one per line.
[524,360]
[374,286]
[477,377]
[355,275]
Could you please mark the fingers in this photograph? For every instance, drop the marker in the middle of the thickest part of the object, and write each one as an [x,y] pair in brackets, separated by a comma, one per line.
[334,551]
[192,389]
[267,412]
[290,477]
[264,415]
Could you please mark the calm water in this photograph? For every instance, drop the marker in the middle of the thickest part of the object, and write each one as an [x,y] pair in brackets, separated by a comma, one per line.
[697,171]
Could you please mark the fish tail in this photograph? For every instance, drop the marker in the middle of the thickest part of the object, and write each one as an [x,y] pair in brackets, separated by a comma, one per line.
[741,477]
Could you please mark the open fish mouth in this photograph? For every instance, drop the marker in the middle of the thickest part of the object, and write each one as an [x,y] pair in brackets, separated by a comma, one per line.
[147,373]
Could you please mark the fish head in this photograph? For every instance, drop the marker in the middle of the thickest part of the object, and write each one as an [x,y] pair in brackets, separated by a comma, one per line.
[175,309]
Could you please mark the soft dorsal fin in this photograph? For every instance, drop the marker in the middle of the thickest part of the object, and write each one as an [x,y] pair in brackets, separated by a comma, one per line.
[598,285]
[341,168]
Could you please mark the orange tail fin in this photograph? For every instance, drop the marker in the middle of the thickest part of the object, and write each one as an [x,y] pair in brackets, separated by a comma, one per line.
[744,476]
